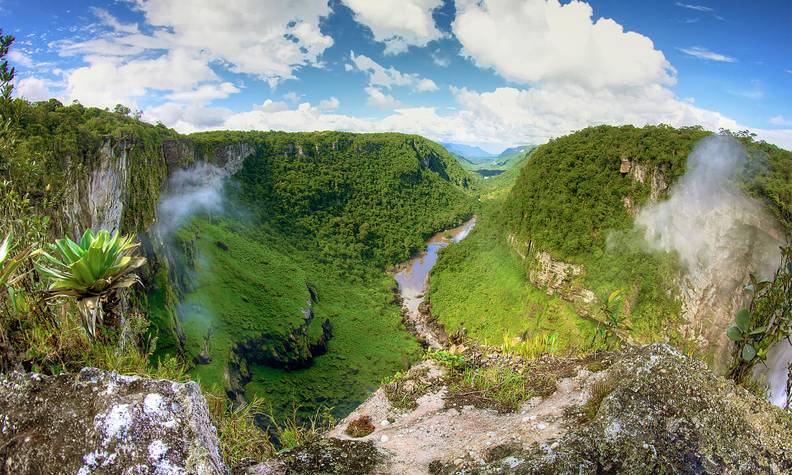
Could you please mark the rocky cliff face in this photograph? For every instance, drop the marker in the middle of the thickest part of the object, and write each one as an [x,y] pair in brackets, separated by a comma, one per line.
[102,192]
[710,290]
[661,412]
[100,196]
[555,276]
[101,422]
[713,292]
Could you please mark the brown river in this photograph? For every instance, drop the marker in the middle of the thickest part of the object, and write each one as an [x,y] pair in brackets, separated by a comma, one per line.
[413,278]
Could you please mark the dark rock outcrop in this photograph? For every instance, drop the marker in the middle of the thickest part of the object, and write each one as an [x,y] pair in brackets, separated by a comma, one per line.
[101,422]
[293,351]
[327,456]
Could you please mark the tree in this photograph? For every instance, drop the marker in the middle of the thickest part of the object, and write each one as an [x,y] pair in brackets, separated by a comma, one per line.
[121,109]
[6,74]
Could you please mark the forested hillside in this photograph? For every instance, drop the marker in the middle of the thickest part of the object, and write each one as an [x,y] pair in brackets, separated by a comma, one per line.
[283,271]
[574,203]
[570,218]
[368,198]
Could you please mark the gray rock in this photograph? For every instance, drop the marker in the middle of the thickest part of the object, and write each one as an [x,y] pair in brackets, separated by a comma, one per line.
[102,422]
[325,456]
[665,413]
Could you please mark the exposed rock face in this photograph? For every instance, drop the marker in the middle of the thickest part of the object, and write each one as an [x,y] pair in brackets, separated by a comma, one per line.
[100,422]
[436,431]
[99,197]
[556,277]
[325,456]
[712,291]
[178,153]
[638,172]
[664,413]
[231,157]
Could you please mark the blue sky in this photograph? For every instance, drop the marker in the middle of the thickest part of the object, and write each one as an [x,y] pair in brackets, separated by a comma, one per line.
[492,73]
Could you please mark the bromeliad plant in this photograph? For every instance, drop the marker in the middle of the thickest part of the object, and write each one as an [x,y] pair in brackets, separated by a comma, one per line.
[92,271]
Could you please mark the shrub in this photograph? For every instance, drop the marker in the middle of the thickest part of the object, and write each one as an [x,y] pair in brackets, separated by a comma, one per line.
[360,427]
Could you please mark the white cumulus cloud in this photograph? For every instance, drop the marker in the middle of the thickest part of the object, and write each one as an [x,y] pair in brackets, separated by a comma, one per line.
[330,104]
[379,99]
[388,77]
[780,120]
[16,57]
[398,24]
[33,89]
[267,39]
[533,41]
[205,93]
[504,116]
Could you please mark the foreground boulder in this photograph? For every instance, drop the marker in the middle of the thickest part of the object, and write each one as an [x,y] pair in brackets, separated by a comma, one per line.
[101,422]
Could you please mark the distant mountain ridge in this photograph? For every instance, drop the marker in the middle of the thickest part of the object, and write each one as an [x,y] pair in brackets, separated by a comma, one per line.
[470,153]
[517,149]
[477,155]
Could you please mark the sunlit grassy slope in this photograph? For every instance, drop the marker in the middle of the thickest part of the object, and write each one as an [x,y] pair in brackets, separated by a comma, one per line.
[480,284]
[260,285]
[330,211]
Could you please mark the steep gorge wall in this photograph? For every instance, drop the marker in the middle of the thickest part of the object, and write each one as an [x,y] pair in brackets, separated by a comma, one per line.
[709,289]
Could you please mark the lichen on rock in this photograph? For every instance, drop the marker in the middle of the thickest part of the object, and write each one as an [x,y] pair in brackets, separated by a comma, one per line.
[666,413]
[102,422]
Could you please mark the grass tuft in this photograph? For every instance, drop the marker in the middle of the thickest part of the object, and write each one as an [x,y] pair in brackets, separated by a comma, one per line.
[497,388]
[599,391]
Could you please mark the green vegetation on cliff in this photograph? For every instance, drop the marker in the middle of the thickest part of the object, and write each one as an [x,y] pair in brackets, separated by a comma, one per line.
[370,198]
[285,288]
[51,146]
[479,285]
[251,295]
[283,293]
[569,201]
[571,196]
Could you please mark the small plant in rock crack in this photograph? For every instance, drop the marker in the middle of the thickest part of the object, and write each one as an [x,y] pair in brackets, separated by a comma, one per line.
[765,321]
[360,427]
[500,388]
[447,358]
[531,347]
[93,271]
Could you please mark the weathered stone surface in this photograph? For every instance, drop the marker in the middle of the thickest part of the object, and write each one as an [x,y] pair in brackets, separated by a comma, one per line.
[665,413]
[325,456]
[99,197]
[101,422]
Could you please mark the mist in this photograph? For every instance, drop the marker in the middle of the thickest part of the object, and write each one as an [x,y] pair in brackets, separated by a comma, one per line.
[707,214]
[197,189]
[720,235]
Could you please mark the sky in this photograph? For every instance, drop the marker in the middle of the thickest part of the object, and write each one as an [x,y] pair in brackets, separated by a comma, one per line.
[492,73]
